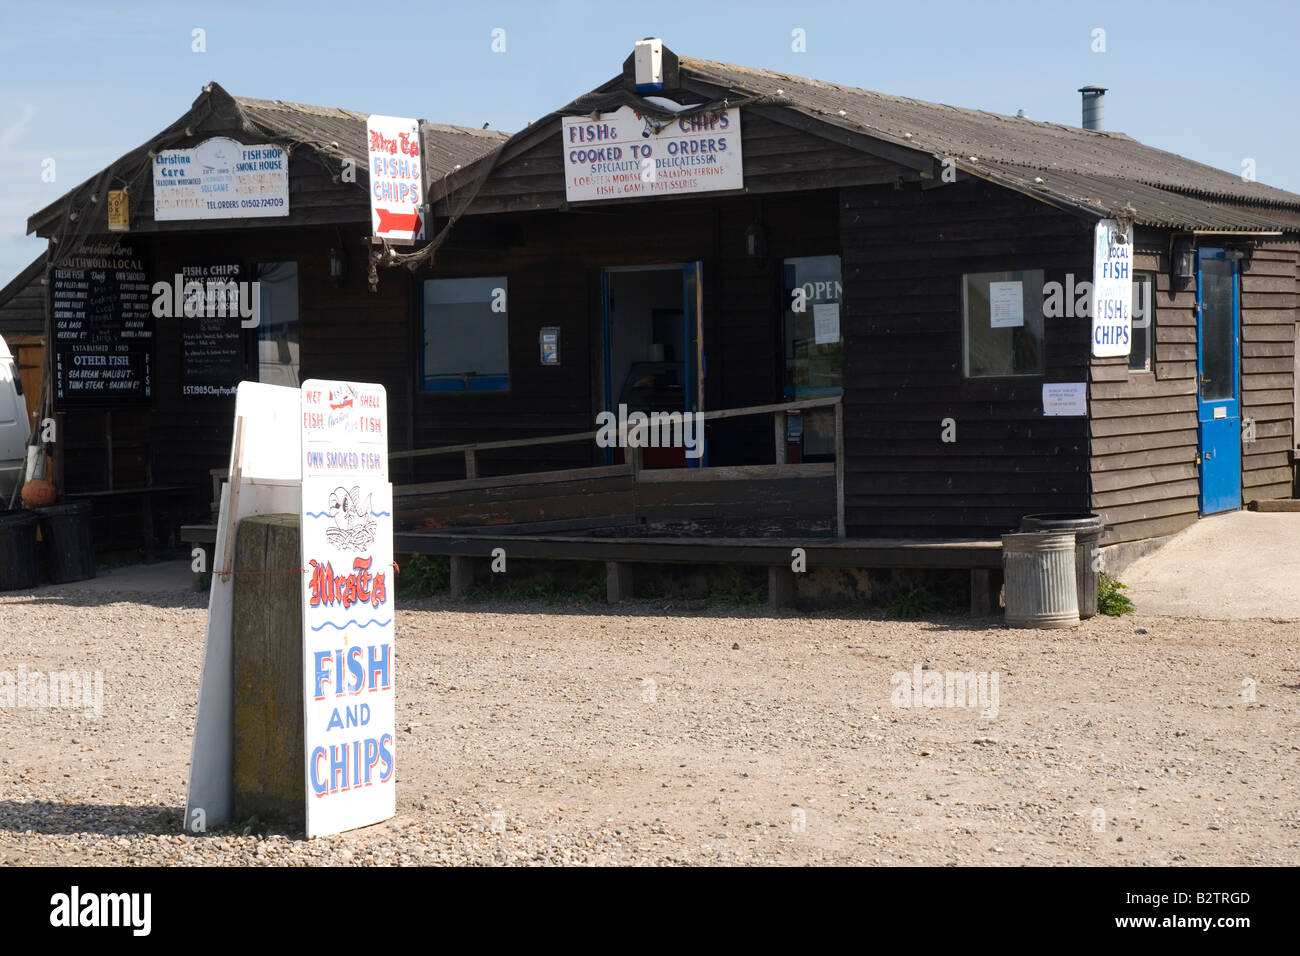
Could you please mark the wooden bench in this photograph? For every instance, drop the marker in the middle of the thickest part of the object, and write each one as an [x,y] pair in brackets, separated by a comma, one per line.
[981,557]
[148,495]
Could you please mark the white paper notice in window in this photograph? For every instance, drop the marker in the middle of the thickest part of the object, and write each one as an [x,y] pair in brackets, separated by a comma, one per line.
[826,323]
[1006,305]
[1065,398]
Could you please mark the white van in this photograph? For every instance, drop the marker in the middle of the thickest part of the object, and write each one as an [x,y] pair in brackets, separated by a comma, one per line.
[14,427]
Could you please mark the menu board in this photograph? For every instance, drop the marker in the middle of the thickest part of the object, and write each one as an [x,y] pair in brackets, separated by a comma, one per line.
[212,334]
[103,327]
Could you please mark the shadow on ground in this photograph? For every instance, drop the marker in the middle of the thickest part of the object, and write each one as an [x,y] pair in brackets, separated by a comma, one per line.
[44,816]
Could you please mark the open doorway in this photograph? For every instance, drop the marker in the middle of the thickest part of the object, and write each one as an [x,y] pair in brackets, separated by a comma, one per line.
[653,352]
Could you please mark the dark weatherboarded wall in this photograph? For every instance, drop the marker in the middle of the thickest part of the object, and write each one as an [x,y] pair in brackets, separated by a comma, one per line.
[346,332]
[904,254]
[1145,479]
[1144,438]
[1268,302]
[552,262]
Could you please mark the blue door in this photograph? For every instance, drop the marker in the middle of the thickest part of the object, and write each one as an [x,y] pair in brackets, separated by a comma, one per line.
[1218,380]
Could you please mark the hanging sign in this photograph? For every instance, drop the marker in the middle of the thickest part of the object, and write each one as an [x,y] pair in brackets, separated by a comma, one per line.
[347,606]
[119,211]
[1112,291]
[221,179]
[626,154]
[396,178]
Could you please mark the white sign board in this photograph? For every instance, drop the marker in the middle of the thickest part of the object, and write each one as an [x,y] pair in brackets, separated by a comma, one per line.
[396,178]
[1065,398]
[1006,305]
[626,154]
[265,479]
[1112,291]
[826,323]
[221,179]
[347,606]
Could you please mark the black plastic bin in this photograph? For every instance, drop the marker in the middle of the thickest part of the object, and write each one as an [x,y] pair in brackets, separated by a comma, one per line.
[69,549]
[1087,529]
[17,550]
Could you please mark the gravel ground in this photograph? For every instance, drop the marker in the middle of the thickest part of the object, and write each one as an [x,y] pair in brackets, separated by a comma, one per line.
[684,735]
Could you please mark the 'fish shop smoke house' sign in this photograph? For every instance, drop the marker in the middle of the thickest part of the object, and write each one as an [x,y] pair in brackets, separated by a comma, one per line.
[221,179]
[347,606]
[627,154]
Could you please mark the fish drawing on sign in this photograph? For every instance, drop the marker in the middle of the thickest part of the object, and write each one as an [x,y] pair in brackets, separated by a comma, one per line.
[354,525]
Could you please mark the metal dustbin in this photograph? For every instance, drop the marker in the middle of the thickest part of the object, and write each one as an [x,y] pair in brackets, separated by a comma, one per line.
[65,529]
[1087,529]
[1038,568]
[17,550]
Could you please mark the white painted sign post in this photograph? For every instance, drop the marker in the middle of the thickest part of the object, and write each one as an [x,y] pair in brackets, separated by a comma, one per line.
[347,606]
[320,451]
[626,154]
[1112,291]
[265,478]
[221,179]
[396,178]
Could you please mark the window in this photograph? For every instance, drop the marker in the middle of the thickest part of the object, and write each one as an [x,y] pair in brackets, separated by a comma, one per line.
[466,335]
[1144,321]
[278,345]
[1003,323]
[811,290]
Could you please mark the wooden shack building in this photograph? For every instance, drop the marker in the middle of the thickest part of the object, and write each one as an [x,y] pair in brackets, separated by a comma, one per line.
[912,211]
[864,296]
[148,455]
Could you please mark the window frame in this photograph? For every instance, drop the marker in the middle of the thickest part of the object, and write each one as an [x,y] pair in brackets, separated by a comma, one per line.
[422,340]
[1150,327]
[1038,372]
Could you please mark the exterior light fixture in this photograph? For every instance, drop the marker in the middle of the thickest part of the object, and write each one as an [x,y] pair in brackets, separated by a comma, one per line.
[1184,260]
[338,267]
[755,242]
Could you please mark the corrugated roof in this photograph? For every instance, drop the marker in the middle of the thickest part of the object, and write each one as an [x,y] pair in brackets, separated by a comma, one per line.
[1089,159]
[336,134]
[342,133]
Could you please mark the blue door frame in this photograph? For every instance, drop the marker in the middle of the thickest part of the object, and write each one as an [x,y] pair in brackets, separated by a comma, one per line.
[1218,380]
[692,345]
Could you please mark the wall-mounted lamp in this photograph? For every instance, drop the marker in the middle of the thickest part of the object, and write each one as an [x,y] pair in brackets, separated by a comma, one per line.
[338,267]
[755,242]
[1184,260]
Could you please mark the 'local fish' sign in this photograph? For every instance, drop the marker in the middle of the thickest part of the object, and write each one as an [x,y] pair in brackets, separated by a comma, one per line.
[1112,290]
[347,606]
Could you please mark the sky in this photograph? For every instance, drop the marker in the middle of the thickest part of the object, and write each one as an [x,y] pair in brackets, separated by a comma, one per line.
[84,82]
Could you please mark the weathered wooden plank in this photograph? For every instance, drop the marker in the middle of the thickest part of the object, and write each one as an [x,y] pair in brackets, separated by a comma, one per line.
[268,682]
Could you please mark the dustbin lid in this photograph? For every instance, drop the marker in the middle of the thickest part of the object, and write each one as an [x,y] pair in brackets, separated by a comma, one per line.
[1078,522]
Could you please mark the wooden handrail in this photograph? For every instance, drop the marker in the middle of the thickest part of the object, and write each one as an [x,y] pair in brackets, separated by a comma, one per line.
[718,415]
